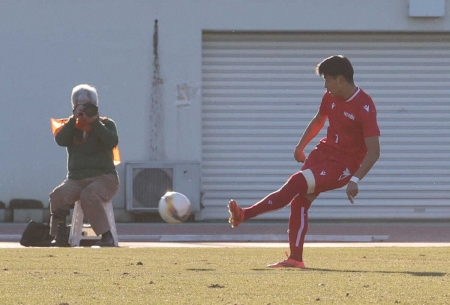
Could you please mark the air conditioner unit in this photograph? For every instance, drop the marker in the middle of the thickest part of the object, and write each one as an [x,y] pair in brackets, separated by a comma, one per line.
[147,182]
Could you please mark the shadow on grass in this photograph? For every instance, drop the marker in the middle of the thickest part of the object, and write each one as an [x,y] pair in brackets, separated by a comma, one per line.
[200,269]
[385,272]
[362,271]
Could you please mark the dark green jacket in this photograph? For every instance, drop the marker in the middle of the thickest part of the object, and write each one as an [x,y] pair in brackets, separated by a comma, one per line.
[94,156]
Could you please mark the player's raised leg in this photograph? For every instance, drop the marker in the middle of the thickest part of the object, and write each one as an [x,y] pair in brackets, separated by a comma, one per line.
[300,183]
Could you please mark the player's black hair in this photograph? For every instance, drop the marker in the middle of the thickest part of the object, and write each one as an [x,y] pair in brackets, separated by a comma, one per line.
[334,66]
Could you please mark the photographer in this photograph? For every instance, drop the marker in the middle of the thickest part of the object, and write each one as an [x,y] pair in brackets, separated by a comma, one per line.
[92,177]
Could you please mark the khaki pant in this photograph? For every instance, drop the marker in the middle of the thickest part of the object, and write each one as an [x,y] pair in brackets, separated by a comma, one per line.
[92,193]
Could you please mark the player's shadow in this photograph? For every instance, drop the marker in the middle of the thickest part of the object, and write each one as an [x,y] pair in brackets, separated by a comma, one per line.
[430,274]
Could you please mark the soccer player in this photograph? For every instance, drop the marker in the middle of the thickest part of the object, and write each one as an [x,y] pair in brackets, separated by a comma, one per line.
[343,157]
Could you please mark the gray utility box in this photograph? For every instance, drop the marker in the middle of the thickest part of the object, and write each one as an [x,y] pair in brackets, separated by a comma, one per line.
[147,182]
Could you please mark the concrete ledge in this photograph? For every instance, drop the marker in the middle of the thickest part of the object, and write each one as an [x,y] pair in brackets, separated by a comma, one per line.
[230,238]
[25,215]
[24,210]
[251,238]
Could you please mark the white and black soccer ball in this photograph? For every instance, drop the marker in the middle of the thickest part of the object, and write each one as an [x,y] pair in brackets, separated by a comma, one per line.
[174,207]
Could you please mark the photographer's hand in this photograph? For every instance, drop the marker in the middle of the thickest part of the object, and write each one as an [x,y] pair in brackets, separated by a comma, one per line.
[78,111]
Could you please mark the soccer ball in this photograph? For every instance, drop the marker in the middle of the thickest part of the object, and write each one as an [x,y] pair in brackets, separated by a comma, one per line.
[174,207]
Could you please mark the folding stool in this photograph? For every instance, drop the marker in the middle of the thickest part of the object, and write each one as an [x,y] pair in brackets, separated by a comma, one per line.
[76,230]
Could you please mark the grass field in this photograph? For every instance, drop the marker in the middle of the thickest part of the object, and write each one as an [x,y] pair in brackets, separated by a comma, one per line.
[223,276]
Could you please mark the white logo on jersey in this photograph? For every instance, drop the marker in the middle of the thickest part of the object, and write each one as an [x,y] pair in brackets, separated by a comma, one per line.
[332,105]
[323,173]
[349,115]
[345,174]
[270,202]
[367,108]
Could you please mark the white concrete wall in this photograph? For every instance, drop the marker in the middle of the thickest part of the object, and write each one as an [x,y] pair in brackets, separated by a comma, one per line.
[47,47]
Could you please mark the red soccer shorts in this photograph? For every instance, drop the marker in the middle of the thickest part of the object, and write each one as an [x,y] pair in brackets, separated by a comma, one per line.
[325,171]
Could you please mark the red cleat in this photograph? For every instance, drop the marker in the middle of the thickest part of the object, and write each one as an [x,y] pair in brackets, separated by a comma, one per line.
[236,214]
[288,263]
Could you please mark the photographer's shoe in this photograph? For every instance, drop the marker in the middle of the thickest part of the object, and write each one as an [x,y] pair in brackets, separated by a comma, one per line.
[106,241]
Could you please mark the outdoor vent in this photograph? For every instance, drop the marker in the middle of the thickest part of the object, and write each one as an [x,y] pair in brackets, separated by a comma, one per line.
[147,182]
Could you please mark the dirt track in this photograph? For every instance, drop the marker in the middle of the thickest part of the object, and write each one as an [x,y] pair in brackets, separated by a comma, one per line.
[268,234]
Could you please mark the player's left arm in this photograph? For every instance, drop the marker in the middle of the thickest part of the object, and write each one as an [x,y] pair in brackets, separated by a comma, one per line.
[373,153]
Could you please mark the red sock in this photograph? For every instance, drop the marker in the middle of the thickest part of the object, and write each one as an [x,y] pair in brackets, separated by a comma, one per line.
[298,226]
[295,185]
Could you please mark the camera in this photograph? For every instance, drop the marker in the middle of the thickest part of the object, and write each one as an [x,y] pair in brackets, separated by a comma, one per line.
[90,109]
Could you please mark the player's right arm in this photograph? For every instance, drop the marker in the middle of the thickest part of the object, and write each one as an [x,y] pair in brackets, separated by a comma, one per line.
[313,128]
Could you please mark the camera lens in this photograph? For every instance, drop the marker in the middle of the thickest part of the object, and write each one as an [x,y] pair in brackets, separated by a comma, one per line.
[90,110]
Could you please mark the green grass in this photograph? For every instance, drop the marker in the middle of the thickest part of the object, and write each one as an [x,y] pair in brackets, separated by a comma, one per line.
[223,276]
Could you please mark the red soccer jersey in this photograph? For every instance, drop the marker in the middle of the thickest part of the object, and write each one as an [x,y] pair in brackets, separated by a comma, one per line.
[350,122]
